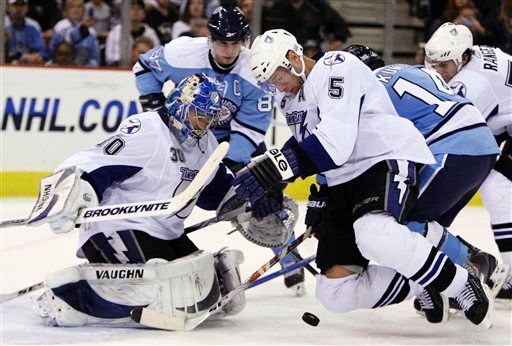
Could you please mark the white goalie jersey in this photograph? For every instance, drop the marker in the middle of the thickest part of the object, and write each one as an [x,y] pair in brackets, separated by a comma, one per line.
[345,122]
[142,161]
[486,80]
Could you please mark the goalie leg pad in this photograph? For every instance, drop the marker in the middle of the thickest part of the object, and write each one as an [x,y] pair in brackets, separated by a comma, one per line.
[99,294]
[227,262]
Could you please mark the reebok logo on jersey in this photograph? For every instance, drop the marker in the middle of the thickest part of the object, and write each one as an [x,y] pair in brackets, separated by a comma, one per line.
[120,274]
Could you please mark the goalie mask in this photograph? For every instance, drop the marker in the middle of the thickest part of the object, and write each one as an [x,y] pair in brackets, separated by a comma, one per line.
[193,107]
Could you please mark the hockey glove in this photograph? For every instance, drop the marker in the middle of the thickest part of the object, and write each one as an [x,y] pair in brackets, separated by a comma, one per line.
[152,102]
[317,215]
[264,171]
[271,202]
[61,196]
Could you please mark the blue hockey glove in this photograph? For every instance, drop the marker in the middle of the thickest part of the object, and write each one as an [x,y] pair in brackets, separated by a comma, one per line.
[271,202]
[317,215]
[264,171]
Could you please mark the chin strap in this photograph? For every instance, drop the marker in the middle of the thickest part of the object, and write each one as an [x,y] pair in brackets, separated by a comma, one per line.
[302,73]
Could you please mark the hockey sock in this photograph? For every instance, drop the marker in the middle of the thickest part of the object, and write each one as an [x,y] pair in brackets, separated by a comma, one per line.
[441,238]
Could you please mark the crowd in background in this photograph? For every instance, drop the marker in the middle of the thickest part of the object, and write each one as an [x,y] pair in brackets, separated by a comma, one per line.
[88,32]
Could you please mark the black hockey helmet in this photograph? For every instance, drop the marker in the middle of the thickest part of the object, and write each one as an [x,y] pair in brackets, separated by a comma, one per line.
[367,55]
[228,24]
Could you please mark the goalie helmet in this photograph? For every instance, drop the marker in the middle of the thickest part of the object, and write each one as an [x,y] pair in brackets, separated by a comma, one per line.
[367,55]
[228,24]
[449,42]
[199,93]
[269,51]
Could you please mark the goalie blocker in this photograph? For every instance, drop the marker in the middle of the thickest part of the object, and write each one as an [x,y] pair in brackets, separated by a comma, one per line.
[105,294]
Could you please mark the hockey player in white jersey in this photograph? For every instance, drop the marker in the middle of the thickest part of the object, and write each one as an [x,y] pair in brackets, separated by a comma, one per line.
[484,76]
[345,126]
[246,109]
[152,156]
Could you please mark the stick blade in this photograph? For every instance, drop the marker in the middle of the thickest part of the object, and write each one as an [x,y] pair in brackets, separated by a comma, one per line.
[153,319]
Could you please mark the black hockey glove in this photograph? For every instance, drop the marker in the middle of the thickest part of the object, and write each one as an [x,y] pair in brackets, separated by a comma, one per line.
[271,202]
[264,171]
[152,102]
[317,215]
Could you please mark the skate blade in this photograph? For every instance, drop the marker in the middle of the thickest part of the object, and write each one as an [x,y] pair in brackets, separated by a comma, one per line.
[502,304]
[488,319]
[299,289]
[498,277]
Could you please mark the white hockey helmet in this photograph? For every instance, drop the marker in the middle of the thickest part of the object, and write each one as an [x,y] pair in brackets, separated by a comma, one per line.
[269,51]
[449,42]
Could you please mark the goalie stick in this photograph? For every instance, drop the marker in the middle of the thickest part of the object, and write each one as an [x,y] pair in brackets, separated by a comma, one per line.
[6,297]
[149,208]
[154,319]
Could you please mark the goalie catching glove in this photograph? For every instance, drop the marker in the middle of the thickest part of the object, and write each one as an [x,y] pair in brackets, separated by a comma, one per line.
[274,229]
[61,196]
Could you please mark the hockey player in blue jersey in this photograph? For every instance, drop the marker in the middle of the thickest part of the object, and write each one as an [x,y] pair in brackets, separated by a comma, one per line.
[465,152]
[145,261]
[246,109]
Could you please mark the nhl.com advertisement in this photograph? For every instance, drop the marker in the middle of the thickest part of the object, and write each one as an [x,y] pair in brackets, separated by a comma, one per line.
[50,113]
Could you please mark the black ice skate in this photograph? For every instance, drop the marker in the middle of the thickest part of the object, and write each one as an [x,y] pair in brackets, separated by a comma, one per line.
[486,267]
[476,301]
[294,280]
[504,296]
[434,305]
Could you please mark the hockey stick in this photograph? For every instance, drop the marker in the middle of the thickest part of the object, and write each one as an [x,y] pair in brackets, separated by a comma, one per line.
[282,271]
[154,319]
[150,208]
[299,259]
[229,210]
[9,296]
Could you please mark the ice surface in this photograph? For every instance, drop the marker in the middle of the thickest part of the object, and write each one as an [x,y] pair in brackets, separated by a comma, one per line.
[272,315]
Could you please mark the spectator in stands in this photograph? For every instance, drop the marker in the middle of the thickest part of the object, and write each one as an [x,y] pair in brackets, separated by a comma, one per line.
[307,18]
[468,15]
[23,37]
[99,12]
[79,33]
[419,57]
[141,46]
[192,20]
[161,18]
[246,7]
[138,29]
[311,46]
[480,16]
[64,56]
[47,13]
[506,18]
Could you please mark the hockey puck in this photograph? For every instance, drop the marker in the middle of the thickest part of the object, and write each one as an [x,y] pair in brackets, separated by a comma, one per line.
[310,319]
